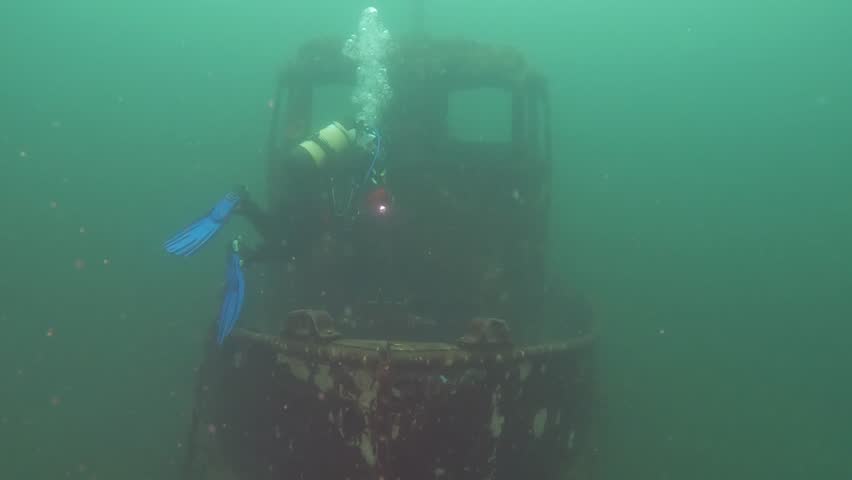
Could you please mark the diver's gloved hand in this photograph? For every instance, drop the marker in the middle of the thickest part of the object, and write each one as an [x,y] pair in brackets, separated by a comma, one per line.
[193,237]
[235,291]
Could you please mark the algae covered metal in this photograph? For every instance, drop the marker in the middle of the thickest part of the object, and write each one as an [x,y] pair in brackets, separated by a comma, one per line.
[309,404]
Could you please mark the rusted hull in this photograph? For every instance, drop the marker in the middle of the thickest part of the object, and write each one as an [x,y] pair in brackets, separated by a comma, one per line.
[272,409]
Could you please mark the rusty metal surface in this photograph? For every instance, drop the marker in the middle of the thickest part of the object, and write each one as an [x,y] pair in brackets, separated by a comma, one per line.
[275,408]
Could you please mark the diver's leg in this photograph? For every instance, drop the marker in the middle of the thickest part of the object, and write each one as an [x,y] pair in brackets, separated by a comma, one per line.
[260,220]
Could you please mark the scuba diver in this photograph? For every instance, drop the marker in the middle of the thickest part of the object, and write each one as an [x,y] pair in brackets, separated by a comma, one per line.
[329,188]
[313,202]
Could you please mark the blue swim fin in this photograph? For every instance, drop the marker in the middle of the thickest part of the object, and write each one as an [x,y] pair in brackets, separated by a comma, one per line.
[235,291]
[193,237]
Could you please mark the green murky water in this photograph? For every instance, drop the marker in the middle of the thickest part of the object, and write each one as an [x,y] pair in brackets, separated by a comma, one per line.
[703,204]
